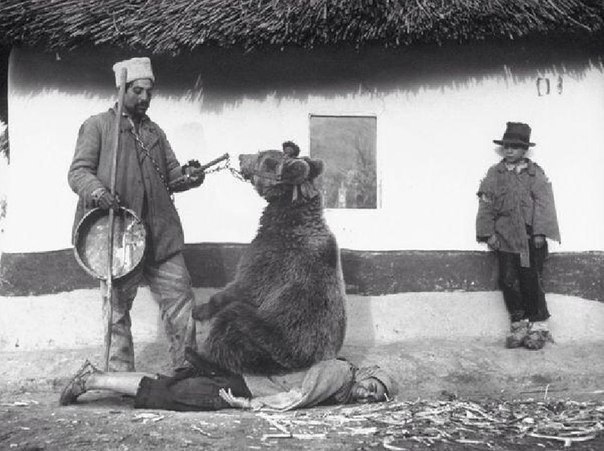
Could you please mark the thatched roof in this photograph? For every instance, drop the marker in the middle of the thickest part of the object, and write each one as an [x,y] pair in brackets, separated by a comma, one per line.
[175,26]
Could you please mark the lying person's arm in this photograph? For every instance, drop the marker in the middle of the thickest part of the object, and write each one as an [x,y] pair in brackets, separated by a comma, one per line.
[278,401]
[322,381]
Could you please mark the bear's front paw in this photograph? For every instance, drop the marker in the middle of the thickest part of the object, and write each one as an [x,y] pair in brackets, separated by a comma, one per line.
[203,312]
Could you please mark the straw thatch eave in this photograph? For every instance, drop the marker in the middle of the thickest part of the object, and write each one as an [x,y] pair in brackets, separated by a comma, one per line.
[176,26]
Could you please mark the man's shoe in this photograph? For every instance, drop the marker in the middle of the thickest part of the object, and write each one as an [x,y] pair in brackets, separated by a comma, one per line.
[517,334]
[538,335]
[77,385]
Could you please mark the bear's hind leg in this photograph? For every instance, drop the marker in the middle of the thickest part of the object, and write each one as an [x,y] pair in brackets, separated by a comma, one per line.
[242,342]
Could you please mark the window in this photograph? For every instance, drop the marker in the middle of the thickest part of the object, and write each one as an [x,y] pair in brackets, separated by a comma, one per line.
[347,146]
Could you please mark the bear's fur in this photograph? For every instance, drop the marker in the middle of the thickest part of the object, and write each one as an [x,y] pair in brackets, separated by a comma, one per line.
[285,309]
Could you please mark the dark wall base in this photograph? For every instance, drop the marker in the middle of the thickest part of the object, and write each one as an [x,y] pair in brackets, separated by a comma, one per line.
[366,273]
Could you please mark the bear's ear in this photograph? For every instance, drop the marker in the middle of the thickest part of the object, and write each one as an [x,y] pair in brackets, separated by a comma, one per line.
[291,149]
[316,167]
[295,171]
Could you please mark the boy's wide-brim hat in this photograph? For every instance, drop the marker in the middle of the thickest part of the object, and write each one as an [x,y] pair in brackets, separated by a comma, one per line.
[516,133]
[136,68]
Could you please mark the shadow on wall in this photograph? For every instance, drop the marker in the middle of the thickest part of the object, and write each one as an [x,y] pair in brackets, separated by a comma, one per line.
[212,265]
[220,78]
[4,159]
[4,56]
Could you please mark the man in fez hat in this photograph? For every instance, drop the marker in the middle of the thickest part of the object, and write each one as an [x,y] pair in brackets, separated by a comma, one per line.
[148,173]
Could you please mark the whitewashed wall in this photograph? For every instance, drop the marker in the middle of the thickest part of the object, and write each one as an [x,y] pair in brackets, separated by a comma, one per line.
[434,145]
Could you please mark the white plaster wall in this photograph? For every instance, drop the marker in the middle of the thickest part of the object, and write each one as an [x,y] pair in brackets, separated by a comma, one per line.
[73,319]
[434,145]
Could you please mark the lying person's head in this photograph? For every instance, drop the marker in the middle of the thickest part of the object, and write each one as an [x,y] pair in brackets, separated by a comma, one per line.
[371,384]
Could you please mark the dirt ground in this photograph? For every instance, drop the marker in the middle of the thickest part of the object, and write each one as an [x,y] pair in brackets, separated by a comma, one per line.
[35,421]
[454,396]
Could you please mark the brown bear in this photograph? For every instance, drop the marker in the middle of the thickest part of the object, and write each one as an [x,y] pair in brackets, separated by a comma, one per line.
[285,309]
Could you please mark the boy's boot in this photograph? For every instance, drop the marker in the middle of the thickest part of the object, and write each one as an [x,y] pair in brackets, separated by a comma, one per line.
[517,334]
[538,335]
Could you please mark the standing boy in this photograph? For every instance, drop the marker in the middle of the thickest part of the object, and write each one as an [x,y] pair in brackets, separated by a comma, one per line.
[515,215]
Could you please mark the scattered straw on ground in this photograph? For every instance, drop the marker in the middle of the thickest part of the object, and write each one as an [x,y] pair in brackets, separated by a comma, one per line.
[456,421]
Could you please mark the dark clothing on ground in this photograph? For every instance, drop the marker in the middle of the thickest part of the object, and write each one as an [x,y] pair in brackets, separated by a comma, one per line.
[325,383]
[188,391]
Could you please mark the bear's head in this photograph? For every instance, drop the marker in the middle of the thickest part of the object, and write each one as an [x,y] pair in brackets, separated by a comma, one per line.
[280,174]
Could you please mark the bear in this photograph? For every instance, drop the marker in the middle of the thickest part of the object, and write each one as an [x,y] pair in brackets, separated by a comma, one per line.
[286,306]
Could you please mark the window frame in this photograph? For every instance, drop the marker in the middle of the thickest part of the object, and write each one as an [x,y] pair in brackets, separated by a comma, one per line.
[378,179]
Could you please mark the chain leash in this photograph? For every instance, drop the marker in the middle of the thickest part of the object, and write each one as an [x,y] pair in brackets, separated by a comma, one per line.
[141,146]
[227,166]
[155,164]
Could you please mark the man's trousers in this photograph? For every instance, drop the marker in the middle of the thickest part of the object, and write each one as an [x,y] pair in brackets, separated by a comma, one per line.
[170,286]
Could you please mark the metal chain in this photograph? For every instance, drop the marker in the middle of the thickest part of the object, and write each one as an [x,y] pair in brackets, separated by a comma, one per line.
[156,166]
[237,174]
[227,165]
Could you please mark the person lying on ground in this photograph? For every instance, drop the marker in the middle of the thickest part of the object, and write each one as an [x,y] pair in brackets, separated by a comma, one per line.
[328,382]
